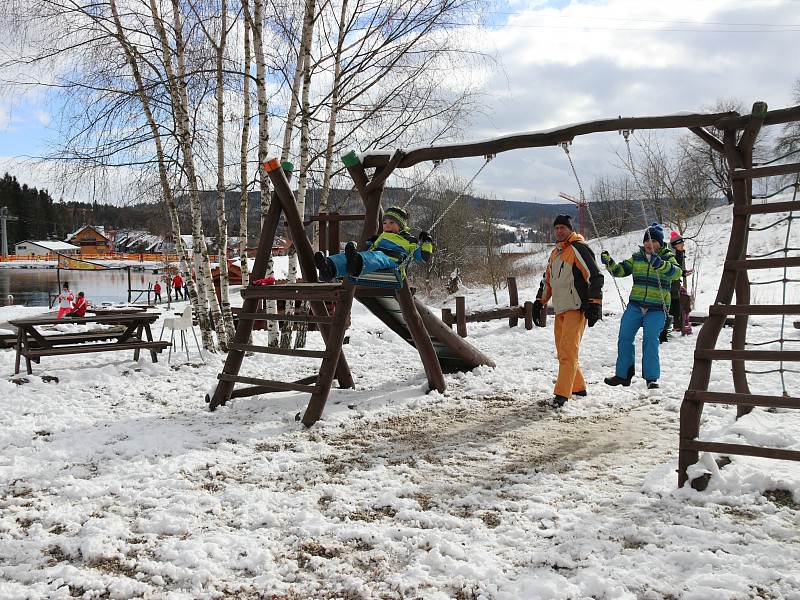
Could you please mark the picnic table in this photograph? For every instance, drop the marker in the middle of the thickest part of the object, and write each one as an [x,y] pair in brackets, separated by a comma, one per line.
[32,343]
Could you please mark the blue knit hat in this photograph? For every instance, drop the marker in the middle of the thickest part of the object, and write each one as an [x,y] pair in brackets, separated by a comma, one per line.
[655,233]
[398,215]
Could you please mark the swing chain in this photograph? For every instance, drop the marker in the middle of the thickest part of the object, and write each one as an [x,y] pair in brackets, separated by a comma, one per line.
[436,164]
[565,146]
[626,134]
[488,158]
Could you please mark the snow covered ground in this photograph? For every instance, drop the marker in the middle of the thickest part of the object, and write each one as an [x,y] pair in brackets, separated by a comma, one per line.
[116,482]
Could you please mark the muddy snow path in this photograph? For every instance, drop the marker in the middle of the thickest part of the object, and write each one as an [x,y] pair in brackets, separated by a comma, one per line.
[494,440]
[557,505]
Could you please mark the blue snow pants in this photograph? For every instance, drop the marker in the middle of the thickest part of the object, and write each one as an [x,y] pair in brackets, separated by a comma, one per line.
[651,320]
[373,261]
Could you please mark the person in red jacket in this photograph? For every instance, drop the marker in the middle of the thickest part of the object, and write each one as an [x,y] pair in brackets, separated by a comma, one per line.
[79,306]
[177,285]
[157,292]
[65,299]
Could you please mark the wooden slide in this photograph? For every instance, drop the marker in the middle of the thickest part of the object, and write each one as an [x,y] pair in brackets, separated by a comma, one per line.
[453,352]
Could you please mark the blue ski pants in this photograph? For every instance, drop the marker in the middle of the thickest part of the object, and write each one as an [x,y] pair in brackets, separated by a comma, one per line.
[651,320]
[373,261]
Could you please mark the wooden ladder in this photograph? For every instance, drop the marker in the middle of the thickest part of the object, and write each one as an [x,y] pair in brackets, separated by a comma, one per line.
[318,295]
[735,280]
[331,327]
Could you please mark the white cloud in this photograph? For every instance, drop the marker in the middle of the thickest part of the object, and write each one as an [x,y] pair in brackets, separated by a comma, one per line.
[595,60]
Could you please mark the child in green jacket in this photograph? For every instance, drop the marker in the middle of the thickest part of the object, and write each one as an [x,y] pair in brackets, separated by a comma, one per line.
[653,268]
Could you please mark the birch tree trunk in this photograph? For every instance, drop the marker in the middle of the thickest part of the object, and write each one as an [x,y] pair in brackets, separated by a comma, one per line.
[180,106]
[334,111]
[302,183]
[243,176]
[163,173]
[224,334]
[263,141]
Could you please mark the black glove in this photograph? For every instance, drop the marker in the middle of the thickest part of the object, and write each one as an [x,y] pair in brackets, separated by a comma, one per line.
[538,313]
[593,312]
[424,236]
[605,258]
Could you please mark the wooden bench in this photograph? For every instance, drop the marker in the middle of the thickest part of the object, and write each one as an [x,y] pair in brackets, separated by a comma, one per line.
[31,344]
[136,345]
[70,338]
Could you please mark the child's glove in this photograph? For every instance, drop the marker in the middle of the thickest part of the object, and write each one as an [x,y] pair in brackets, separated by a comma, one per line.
[605,258]
[593,312]
[656,261]
[424,236]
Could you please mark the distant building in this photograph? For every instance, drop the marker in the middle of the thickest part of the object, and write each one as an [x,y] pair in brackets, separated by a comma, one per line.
[92,241]
[131,241]
[43,248]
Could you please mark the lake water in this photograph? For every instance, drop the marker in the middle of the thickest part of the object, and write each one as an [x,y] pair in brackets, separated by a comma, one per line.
[33,287]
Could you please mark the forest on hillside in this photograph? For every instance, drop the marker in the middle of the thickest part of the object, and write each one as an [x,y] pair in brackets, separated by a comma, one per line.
[35,215]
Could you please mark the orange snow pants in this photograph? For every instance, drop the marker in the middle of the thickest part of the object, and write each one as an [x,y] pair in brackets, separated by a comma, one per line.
[568,333]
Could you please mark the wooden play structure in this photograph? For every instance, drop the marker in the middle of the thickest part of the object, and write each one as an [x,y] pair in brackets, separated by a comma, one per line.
[438,345]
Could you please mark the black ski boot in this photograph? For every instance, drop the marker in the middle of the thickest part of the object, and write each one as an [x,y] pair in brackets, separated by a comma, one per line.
[355,263]
[327,270]
[617,380]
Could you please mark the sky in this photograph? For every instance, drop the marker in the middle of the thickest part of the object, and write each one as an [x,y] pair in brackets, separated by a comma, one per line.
[567,62]
[117,482]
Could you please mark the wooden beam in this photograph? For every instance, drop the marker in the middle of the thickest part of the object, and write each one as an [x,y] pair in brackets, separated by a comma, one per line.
[709,139]
[754,355]
[723,121]
[766,208]
[551,137]
[742,399]
[380,178]
[762,263]
[422,340]
[740,449]
[757,172]
[754,309]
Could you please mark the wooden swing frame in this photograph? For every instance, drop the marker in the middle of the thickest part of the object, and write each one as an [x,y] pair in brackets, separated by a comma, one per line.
[739,156]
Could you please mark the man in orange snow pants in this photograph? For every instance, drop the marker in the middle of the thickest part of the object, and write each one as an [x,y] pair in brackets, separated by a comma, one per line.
[575,283]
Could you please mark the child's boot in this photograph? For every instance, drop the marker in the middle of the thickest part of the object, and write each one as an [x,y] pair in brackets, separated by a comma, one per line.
[355,263]
[687,326]
[327,270]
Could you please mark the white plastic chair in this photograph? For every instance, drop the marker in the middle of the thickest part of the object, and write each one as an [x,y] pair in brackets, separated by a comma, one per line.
[181,324]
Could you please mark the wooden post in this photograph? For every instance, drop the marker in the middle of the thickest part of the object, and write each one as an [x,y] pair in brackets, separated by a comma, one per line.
[334,235]
[323,227]
[433,370]
[528,311]
[447,318]
[461,316]
[513,299]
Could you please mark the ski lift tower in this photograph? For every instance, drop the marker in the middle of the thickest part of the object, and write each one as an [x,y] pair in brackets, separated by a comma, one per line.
[4,217]
[581,208]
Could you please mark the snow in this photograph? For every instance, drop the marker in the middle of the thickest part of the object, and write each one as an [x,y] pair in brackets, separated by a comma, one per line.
[117,482]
